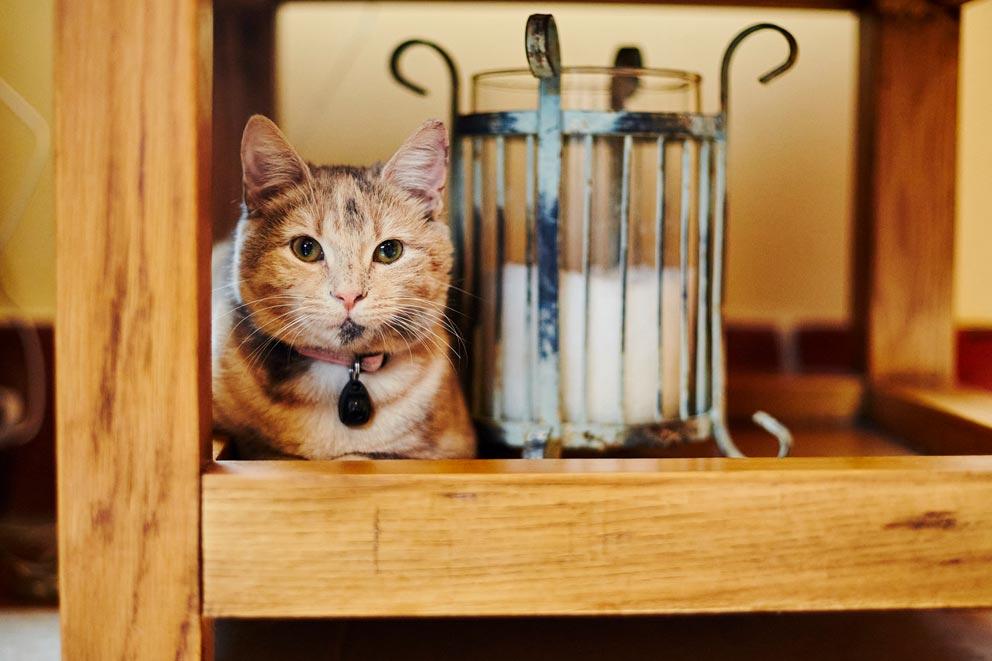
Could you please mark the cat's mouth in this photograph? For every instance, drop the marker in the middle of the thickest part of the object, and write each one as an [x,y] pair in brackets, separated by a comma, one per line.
[350,331]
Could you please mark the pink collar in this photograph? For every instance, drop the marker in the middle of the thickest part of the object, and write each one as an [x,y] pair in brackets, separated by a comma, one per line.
[370,363]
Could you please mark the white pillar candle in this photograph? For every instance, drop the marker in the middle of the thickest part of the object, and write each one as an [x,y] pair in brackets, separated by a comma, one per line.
[600,365]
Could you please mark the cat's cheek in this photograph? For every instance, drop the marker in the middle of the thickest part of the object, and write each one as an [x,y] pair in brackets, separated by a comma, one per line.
[439,231]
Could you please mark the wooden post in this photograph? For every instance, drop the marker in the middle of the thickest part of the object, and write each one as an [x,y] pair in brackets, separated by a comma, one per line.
[133,389]
[905,237]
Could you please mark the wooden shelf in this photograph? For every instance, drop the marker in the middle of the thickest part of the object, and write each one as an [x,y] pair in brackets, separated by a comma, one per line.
[594,536]
[935,420]
[820,399]
[853,521]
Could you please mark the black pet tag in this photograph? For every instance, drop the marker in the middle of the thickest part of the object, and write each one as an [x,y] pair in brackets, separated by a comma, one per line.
[354,403]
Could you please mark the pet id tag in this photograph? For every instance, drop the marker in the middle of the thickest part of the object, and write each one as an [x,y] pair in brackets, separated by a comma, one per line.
[354,403]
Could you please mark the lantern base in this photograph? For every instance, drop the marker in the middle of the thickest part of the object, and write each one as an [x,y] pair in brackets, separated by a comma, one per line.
[536,441]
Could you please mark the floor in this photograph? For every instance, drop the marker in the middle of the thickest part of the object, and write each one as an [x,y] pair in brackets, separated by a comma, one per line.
[29,634]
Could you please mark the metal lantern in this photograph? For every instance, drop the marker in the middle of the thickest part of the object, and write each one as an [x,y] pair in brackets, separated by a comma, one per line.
[589,233]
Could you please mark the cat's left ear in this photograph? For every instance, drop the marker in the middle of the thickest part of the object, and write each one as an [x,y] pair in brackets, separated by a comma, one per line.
[420,166]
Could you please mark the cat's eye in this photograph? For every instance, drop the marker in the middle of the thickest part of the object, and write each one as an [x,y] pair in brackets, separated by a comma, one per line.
[388,251]
[307,249]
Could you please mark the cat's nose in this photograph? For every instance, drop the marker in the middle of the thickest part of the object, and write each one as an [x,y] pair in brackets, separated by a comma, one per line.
[349,297]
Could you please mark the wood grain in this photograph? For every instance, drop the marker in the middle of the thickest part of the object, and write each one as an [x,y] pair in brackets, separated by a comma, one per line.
[904,264]
[935,421]
[132,157]
[796,4]
[595,536]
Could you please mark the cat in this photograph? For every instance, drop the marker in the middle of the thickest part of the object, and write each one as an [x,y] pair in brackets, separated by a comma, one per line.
[328,265]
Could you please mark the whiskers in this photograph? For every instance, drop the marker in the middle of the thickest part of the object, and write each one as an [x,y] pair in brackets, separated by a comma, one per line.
[293,316]
[395,315]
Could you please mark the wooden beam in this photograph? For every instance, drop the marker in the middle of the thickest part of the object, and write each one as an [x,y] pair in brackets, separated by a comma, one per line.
[935,421]
[598,536]
[244,84]
[792,4]
[132,338]
[908,105]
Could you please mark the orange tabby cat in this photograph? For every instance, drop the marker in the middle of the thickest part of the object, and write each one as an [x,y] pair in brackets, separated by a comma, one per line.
[329,265]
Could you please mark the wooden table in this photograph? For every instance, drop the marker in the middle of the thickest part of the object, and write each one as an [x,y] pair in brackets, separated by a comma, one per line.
[156,538]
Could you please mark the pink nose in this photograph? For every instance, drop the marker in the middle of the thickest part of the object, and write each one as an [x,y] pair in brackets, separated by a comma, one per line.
[349,298]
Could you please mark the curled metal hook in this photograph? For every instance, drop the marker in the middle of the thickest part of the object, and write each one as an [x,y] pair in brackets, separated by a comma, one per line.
[781,433]
[765,78]
[394,68]
[542,47]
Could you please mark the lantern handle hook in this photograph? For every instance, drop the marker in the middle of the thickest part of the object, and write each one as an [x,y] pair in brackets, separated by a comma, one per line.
[542,46]
[729,449]
[449,63]
[768,76]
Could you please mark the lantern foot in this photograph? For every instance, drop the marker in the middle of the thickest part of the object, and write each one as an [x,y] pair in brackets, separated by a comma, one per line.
[729,449]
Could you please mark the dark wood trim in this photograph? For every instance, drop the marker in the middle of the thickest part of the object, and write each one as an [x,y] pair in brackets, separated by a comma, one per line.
[244,84]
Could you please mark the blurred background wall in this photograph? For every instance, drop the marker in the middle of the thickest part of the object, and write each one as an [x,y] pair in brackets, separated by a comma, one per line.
[973,258]
[27,261]
[791,145]
[791,159]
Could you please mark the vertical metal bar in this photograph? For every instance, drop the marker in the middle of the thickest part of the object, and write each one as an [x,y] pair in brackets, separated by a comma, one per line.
[718,409]
[498,398]
[686,189]
[719,255]
[702,279]
[587,151]
[479,303]
[628,143]
[530,313]
[548,191]
[544,59]
[659,265]
[456,217]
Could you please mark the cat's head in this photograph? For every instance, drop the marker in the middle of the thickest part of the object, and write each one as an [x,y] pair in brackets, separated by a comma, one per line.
[344,259]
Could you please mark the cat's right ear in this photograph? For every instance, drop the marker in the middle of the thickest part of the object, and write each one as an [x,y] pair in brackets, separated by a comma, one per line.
[268,162]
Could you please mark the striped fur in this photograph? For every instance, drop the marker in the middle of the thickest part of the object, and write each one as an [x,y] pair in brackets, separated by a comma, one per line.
[268,303]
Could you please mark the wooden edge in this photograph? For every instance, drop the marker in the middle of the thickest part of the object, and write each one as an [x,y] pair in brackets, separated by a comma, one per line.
[796,398]
[498,468]
[948,421]
[587,537]
[785,4]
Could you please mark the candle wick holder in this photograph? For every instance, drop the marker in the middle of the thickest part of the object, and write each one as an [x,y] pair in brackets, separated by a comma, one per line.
[588,217]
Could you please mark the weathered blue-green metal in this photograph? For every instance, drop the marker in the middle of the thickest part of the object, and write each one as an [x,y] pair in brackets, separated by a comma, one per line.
[701,406]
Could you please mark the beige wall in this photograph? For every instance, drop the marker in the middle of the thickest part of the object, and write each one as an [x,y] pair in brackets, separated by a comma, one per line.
[27,265]
[973,272]
[792,149]
[791,162]
[791,211]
